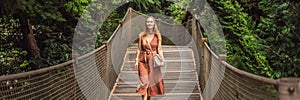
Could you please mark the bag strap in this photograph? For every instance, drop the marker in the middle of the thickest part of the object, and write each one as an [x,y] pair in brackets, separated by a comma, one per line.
[150,47]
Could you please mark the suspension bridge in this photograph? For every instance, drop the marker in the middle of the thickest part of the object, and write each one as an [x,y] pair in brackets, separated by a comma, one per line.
[192,71]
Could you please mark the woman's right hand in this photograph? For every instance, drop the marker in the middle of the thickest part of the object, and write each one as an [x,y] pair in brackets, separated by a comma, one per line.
[136,65]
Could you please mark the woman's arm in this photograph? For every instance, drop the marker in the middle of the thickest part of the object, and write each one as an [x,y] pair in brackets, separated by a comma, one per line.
[160,51]
[138,51]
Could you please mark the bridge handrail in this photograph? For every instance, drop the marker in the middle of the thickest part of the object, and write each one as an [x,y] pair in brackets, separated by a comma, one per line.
[241,72]
[51,68]
[250,75]
[209,49]
[35,72]
[285,87]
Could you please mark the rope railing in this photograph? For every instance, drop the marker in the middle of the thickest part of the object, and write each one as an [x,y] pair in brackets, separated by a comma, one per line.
[59,81]
[52,82]
[236,84]
[67,80]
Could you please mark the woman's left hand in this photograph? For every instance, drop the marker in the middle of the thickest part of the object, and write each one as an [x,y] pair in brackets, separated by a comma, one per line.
[162,64]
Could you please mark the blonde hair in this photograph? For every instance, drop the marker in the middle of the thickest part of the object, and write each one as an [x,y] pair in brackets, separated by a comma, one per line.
[156,30]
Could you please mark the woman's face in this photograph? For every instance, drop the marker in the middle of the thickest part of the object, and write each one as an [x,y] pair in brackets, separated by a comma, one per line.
[150,23]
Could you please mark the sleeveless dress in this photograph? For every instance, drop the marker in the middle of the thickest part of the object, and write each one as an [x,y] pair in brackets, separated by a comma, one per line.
[150,78]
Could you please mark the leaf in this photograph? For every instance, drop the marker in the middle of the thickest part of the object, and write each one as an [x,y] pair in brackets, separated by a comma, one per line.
[151,1]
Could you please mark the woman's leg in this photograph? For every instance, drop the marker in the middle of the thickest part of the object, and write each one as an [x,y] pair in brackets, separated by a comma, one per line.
[143,80]
[145,96]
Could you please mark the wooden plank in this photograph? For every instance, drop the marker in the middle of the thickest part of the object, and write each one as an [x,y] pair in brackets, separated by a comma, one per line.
[177,60]
[163,71]
[136,80]
[169,88]
[166,94]
[180,78]
[167,55]
[167,75]
[165,81]
[190,84]
[171,96]
[185,76]
[164,47]
[169,66]
[166,50]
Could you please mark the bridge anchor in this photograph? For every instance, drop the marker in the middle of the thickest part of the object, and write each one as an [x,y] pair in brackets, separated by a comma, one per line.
[289,88]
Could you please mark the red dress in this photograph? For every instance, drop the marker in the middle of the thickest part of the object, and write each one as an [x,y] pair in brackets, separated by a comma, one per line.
[150,78]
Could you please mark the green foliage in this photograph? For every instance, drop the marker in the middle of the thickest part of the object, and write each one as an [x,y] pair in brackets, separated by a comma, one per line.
[278,27]
[76,6]
[108,27]
[262,36]
[146,5]
[53,31]
[90,30]
[212,28]
[276,23]
[56,49]
[37,11]
[177,9]
[243,47]
[8,7]
[11,53]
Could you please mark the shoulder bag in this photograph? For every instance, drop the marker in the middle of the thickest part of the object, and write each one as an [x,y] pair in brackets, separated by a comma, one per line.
[157,59]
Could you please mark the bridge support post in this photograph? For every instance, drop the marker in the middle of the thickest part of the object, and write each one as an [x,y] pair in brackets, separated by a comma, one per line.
[204,67]
[289,88]
[194,30]
[106,75]
[222,57]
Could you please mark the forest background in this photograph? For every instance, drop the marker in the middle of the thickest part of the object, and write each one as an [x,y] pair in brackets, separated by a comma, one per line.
[262,36]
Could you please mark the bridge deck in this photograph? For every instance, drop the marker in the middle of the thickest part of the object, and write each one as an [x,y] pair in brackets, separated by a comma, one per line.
[179,75]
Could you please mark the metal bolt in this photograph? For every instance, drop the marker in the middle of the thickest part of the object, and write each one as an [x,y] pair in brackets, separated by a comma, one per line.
[291,89]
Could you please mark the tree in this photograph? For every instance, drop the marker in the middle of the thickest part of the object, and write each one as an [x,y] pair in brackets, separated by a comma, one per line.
[279,28]
[243,47]
[10,7]
[276,23]
[37,21]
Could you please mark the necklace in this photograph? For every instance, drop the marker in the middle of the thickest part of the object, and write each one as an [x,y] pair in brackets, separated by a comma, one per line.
[150,37]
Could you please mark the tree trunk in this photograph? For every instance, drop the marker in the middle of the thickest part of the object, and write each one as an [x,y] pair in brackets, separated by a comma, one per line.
[29,39]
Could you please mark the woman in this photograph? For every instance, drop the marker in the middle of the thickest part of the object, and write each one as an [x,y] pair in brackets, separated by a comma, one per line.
[150,78]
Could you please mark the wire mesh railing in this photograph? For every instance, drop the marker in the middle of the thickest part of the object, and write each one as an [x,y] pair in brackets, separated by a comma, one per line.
[53,82]
[235,84]
[62,81]
[238,84]
[219,80]
[90,76]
